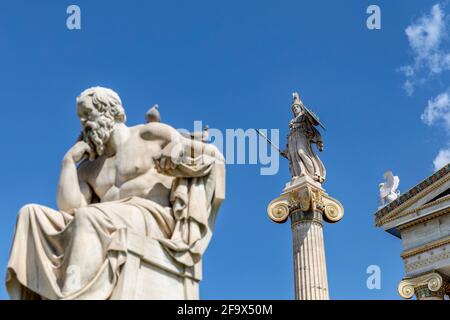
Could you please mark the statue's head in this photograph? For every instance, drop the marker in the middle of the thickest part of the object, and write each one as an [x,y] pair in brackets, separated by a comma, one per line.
[297,104]
[99,110]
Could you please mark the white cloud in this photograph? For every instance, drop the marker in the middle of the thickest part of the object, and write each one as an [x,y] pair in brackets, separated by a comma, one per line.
[409,87]
[441,159]
[425,36]
[438,110]
[425,39]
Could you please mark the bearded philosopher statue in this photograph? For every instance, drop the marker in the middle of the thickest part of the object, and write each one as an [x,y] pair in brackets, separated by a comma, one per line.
[303,161]
[137,207]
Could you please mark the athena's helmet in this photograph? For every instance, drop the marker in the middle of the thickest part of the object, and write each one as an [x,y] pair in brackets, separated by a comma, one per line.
[296,103]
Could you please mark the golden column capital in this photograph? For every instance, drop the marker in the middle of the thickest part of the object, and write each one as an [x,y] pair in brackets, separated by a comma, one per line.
[427,286]
[304,195]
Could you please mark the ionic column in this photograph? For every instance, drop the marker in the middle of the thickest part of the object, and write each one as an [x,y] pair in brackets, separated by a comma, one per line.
[430,286]
[309,256]
[307,205]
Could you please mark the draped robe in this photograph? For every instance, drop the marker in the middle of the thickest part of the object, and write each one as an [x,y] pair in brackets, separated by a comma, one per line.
[56,255]
[302,159]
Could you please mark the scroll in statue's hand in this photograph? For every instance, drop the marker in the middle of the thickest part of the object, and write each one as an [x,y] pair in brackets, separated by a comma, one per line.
[170,157]
[81,150]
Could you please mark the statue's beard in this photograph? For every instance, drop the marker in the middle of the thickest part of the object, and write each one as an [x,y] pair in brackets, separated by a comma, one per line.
[97,133]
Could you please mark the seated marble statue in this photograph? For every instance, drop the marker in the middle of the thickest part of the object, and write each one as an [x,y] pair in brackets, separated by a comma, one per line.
[147,179]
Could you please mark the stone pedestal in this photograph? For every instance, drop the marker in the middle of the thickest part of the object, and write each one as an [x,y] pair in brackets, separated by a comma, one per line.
[305,202]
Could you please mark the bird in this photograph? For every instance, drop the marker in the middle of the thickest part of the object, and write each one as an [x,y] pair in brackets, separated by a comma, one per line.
[153,115]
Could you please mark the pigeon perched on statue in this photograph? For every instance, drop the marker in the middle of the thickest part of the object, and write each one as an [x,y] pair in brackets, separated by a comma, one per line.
[153,115]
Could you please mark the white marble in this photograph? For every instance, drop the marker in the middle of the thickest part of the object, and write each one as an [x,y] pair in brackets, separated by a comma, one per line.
[310,272]
[136,213]
[303,160]
[422,222]
[389,188]
[306,203]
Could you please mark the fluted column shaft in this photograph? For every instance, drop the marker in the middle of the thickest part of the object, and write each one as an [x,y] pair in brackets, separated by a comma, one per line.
[309,255]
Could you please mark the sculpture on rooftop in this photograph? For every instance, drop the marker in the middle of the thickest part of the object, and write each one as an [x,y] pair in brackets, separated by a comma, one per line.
[389,188]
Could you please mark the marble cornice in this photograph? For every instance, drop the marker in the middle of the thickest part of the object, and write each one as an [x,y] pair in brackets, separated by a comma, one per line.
[426,247]
[392,210]
[423,219]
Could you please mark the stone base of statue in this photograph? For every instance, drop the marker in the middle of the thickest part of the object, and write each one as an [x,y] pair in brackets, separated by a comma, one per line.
[307,204]
[148,263]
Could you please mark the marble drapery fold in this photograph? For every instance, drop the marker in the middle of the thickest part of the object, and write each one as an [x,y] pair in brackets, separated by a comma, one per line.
[302,159]
[59,256]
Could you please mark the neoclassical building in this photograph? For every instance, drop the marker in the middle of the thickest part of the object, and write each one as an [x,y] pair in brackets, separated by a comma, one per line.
[420,217]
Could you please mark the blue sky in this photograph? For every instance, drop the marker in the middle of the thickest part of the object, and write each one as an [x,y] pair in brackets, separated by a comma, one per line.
[234,64]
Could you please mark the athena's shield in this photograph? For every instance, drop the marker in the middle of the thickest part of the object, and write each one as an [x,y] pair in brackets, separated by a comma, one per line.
[315,119]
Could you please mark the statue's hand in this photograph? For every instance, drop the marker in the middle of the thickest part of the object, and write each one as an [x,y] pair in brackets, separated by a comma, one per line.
[79,151]
[170,156]
[320,146]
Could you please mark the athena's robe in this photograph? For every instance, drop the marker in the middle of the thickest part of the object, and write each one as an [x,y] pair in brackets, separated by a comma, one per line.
[302,159]
[56,255]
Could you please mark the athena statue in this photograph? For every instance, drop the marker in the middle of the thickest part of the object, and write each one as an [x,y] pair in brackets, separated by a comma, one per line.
[303,161]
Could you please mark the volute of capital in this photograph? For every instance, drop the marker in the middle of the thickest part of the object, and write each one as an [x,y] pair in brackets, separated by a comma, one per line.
[432,282]
[305,197]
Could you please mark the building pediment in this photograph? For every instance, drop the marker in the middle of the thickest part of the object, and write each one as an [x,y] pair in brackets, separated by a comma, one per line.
[421,218]
[431,196]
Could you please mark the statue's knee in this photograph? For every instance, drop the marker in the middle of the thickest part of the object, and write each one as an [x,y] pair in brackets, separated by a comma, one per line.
[27,211]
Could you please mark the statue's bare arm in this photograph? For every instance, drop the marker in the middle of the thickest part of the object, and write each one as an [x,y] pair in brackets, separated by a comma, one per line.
[175,147]
[73,192]
[170,141]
